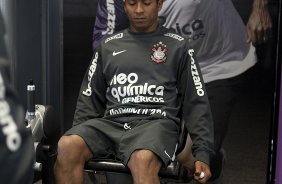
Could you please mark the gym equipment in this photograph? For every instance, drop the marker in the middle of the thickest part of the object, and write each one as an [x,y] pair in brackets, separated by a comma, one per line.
[40,121]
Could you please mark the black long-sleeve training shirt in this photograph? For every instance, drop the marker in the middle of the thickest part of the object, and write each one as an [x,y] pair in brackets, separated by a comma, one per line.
[149,75]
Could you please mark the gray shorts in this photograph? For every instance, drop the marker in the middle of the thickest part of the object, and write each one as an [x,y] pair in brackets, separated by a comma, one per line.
[109,139]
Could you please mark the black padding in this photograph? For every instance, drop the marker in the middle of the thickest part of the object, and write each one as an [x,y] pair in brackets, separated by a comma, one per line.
[50,128]
[40,156]
[182,137]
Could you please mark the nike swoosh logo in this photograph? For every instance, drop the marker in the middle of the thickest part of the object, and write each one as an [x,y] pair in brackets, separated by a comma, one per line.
[116,53]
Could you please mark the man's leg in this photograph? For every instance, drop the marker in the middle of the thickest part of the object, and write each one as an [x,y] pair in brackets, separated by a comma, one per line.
[144,166]
[223,95]
[72,154]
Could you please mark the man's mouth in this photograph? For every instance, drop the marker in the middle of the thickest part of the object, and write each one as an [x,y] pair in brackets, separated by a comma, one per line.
[139,19]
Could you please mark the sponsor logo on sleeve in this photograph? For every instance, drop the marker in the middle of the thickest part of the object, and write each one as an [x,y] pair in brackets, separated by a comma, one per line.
[111,23]
[92,69]
[195,74]
[117,36]
[175,36]
[7,123]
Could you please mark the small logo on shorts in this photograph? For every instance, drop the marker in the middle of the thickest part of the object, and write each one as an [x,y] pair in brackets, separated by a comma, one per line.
[159,53]
[173,156]
[126,126]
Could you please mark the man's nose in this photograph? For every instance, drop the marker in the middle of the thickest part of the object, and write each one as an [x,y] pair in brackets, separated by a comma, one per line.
[139,8]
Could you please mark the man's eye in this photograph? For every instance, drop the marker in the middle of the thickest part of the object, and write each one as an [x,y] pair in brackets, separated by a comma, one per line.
[148,2]
[131,2]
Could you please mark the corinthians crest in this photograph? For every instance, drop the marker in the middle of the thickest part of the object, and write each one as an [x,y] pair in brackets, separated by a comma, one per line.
[159,51]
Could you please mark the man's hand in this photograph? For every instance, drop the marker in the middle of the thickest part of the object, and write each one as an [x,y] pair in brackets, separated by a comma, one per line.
[259,24]
[202,172]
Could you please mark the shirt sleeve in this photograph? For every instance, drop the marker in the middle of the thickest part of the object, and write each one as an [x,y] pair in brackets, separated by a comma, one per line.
[195,108]
[91,102]
[110,18]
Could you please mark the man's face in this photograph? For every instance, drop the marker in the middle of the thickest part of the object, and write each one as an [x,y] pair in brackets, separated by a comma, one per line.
[142,14]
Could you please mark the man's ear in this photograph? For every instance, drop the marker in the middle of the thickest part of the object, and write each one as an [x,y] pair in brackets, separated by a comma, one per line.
[124,7]
[160,5]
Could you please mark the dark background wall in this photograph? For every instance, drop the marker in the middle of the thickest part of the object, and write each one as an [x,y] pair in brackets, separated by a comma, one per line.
[79,18]
[34,44]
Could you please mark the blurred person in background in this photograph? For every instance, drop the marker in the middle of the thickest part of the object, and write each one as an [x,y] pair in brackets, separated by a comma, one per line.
[16,145]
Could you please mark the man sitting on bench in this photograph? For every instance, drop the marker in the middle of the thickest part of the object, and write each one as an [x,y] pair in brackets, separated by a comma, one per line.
[138,83]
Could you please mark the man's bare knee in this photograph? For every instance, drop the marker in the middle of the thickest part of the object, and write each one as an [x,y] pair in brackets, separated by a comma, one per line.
[73,148]
[144,166]
[72,154]
[144,159]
